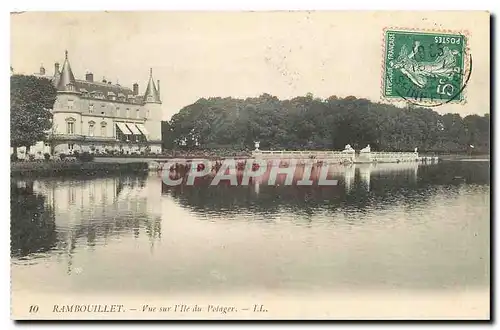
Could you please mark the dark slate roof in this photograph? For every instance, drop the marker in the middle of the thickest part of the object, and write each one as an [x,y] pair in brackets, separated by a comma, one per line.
[103,88]
[67,76]
[151,89]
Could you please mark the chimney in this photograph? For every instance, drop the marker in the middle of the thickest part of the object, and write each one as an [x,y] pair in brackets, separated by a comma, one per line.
[56,69]
[136,89]
[42,70]
[158,85]
[89,76]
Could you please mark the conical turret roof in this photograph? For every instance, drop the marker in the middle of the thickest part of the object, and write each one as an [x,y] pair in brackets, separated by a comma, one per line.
[66,76]
[151,94]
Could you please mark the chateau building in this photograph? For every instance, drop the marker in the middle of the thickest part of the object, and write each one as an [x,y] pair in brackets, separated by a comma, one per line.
[99,116]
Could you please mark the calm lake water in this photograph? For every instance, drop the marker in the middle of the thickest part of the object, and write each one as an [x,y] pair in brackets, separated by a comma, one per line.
[393,226]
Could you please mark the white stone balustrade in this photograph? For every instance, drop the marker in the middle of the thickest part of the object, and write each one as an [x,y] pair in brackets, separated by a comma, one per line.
[347,155]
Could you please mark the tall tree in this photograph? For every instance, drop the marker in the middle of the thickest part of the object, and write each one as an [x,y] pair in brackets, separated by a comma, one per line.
[31,101]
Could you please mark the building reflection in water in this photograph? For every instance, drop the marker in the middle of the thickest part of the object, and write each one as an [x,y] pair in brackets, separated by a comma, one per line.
[66,214]
[349,176]
[344,174]
[408,170]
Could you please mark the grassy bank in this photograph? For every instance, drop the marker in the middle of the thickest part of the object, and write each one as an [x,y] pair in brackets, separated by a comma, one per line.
[60,168]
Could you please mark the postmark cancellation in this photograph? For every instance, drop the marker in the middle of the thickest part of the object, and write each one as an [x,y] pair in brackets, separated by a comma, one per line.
[430,68]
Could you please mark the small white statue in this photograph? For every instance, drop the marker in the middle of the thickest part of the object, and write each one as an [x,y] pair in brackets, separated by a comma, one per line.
[257,144]
[416,150]
[366,149]
[348,148]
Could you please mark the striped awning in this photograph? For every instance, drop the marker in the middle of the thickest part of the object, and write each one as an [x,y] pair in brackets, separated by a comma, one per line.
[123,128]
[142,129]
[133,129]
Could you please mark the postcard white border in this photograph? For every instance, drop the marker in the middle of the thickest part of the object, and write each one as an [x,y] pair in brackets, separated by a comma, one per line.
[21,5]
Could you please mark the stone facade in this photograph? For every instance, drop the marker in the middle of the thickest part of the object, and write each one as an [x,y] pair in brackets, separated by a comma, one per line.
[101,116]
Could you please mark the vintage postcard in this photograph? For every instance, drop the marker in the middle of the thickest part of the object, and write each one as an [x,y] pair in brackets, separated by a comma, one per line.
[250,165]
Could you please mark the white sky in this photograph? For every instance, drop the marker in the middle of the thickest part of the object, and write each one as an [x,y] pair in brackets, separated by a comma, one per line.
[238,54]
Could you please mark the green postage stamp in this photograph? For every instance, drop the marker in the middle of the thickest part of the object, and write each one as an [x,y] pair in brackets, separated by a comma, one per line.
[425,67]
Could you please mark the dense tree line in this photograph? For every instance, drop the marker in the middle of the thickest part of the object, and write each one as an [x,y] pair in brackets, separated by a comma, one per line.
[313,123]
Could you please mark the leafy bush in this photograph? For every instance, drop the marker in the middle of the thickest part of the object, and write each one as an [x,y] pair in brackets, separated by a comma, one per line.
[31,157]
[62,156]
[76,154]
[46,156]
[13,158]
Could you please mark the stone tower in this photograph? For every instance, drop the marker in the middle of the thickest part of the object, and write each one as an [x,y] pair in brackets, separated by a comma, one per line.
[152,105]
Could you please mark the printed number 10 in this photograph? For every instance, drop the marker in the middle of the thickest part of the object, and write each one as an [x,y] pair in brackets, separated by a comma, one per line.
[33,308]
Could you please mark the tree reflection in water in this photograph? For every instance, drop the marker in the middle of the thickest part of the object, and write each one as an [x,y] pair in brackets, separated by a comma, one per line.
[33,228]
[360,188]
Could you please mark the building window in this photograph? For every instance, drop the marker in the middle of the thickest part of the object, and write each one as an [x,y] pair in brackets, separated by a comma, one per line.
[147,113]
[70,127]
[71,146]
[91,128]
[117,112]
[137,113]
[91,108]
[103,128]
[128,113]
[70,105]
